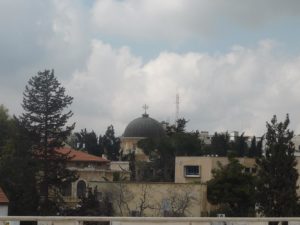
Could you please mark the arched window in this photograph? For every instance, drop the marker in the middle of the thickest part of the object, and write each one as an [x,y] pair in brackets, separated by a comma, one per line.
[81,189]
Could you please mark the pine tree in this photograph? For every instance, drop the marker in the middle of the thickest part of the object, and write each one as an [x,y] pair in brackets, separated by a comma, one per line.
[44,103]
[232,189]
[277,175]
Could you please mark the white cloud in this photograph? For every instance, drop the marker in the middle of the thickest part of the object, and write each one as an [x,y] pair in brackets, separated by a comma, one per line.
[236,90]
[239,90]
[177,20]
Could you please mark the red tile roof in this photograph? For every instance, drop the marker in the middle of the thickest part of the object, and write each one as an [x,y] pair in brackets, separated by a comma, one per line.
[3,197]
[81,156]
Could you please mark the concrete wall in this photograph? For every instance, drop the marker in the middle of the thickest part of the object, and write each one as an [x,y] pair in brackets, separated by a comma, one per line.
[157,198]
[206,165]
[152,220]
[119,165]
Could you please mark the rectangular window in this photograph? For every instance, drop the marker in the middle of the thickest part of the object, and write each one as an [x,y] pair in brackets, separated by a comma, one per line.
[192,171]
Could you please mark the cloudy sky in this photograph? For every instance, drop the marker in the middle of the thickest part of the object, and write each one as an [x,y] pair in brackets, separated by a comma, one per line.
[233,63]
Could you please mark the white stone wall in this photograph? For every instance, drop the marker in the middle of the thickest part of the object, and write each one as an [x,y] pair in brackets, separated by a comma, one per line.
[3,210]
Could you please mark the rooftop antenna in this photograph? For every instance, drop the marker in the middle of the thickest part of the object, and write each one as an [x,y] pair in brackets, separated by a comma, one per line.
[177,108]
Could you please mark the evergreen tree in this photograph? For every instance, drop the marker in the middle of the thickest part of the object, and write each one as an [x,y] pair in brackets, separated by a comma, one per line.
[17,161]
[44,103]
[232,189]
[220,144]
[239,146]
[253,147]
[90,205]
[5,123]
[277,175]
[110,144]
[162,151]
[88,141]
[17,168]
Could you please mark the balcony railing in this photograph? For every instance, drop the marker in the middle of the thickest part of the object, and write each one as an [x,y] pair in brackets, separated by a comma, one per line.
[59,220]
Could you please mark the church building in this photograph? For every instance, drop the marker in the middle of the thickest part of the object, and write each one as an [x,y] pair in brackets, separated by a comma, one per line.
[140,128]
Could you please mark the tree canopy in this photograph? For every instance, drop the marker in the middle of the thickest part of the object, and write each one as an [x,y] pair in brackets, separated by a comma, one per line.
[44,104]
[162,151]
[110,144]
[277,175]
[232,189]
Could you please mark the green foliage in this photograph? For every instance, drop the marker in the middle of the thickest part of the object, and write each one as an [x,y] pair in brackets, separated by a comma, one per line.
[44,103]
[88,141]
[232,189]
[92,206]
[255,149]
[107,144]
[162,151]
[110,144]
[132,163]
[18,169]
[219,145]
[5,127]
[239,146]
[277,175]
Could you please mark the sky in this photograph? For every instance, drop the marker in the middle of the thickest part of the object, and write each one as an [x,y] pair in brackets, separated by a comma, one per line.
[234,64]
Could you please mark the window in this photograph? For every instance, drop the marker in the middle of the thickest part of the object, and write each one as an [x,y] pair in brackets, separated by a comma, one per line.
[192,171]
[247,170]
[81,189]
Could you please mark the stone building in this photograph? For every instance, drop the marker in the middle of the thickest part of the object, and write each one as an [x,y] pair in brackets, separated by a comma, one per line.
[191,169]
[89,168]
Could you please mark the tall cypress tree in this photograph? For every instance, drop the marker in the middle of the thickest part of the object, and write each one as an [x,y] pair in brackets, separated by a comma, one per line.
[111,144]
[44,104]
[277,175]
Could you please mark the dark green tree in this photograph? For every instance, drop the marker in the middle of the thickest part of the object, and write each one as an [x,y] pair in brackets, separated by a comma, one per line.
[5,126]
[88,141]
[132,163]
[277,175]
[239,146]
[162,151]
[17,161]
[179,127]
[91,205]
[252,150]
[219,144]
[255,150]
[232,189]
[44,104]
[111,144]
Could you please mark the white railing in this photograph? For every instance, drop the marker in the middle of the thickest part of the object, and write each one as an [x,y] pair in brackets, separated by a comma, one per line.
[59,220]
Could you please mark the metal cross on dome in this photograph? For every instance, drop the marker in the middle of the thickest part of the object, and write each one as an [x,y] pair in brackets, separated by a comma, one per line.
[145,107]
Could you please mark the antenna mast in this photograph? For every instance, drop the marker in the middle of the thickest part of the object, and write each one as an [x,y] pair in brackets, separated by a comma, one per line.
[177,108]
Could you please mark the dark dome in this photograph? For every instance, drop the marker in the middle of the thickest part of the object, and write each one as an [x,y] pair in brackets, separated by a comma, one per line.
[144,126]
